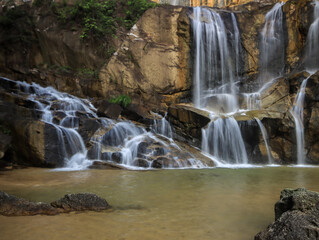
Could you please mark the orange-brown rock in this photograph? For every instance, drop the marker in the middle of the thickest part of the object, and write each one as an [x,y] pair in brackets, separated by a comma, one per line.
[153,61]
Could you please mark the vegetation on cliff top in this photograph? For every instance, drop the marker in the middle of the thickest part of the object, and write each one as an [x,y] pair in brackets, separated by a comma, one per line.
[100,18]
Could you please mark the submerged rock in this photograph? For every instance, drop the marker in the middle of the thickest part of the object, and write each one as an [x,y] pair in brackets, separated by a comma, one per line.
[14,206]
[297,217]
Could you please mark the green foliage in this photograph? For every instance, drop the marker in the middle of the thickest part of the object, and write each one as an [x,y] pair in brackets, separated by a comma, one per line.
[99,18]
[122,100]
[135,9]
[96,17]
[86,72]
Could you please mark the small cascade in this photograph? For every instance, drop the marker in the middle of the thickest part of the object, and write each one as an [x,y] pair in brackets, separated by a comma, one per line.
[222,139]
[252,101]
[272,46]
[116,142]
[312,46]
[60,110]
[162,126]
[216,60]
[266,140]
[297,113]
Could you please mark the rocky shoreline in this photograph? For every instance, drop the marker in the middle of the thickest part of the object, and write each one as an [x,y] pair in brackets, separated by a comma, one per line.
[296,217]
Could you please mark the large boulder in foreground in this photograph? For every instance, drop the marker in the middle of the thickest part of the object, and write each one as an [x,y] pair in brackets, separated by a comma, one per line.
[297,217]
[14,206]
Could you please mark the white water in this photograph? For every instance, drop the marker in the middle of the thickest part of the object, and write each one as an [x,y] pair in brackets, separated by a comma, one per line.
[311,65]
[266,140]
[121,142]
[272,47]
[216,58]
[222,139]
[162,127]
[297,113]
[71,146]
[312,42]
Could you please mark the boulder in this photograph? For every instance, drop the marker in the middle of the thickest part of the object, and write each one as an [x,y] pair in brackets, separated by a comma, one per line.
[81,202]
[105,165]
[14,206]
[109,110]
[296,217]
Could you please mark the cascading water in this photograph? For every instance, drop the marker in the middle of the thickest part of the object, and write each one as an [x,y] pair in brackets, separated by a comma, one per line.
[222,139]
[48,100]
[216,70]
[163,127]
[312,46]
[216,61]
[266,140]
[311,65]
[119,142]
[297,113]
[272,46]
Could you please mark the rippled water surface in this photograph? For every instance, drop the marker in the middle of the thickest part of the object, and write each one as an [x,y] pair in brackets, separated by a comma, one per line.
[167,204]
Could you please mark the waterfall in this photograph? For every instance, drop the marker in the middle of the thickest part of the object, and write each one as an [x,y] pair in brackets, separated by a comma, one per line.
[297,113]
[222,139]
[266,139]
[271,46]
[216,60]
[312,46]
[163,127]
[117,142]
[311,65]
[71,146]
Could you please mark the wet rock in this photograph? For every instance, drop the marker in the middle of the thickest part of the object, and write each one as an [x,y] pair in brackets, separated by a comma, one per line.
[38,143]
[158,151]
[187,120]
[14,206]
[141,163]
[105,165]
[109,110]
[163,162]
[296,217]
[142,149]
[137,113]
[58,116]
[81,202]
[88,127]
[117,157]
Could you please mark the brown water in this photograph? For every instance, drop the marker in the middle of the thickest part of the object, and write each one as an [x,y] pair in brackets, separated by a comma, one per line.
[217,204]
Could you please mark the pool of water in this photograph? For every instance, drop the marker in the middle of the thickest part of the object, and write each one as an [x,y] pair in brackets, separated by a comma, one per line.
[217,204]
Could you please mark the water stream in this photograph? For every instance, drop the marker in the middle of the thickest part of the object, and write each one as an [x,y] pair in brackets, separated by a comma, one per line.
[271,46]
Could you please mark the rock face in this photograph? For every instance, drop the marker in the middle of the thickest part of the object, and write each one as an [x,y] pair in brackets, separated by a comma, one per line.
[296,217]
[153,62]
[14,206]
